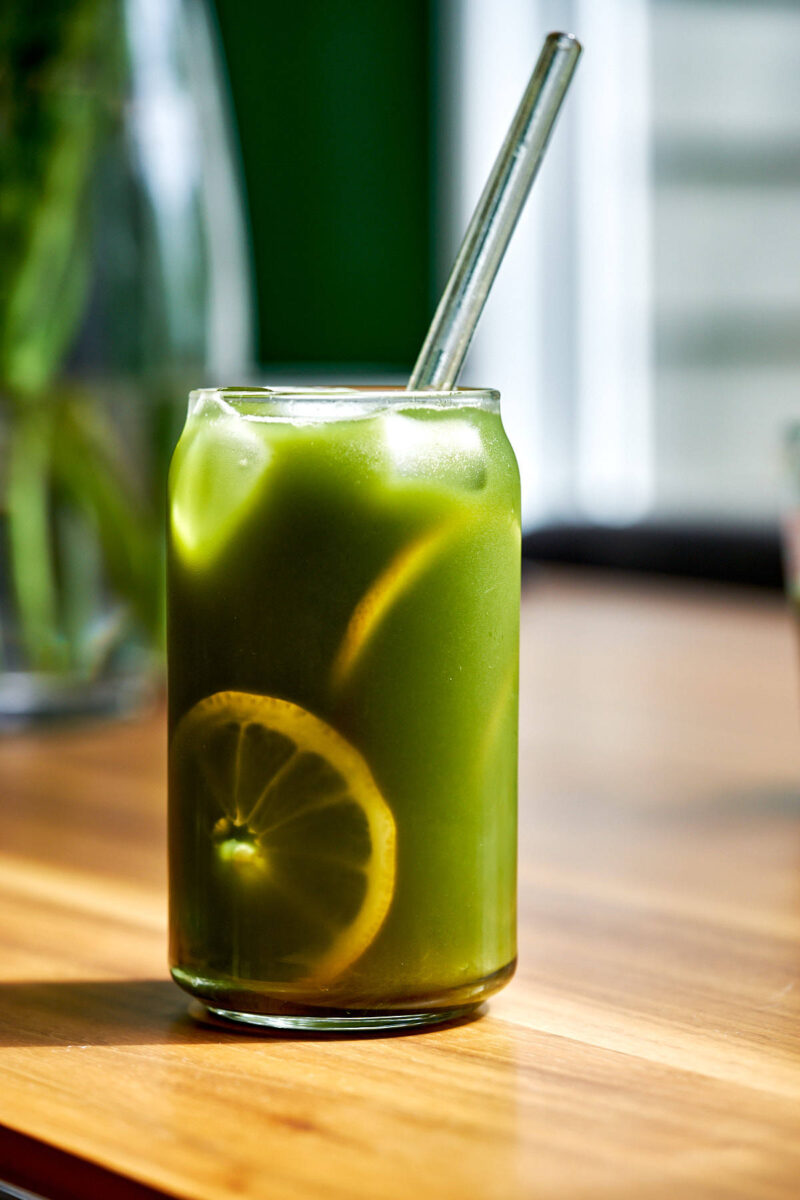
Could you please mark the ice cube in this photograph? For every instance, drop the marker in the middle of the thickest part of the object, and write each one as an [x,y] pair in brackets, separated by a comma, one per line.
[436,445]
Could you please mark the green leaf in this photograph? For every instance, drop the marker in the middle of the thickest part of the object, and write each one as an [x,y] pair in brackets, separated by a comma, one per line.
[87,465]
[30,544]
[59,84]
[80,586]
[49,293]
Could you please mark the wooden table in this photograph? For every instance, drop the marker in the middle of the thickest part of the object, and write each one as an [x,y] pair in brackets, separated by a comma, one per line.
[649,1046]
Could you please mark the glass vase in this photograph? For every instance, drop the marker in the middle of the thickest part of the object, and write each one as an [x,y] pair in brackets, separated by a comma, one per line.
[125,276]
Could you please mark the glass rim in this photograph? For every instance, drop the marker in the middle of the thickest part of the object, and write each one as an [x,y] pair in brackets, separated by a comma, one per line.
[357,394]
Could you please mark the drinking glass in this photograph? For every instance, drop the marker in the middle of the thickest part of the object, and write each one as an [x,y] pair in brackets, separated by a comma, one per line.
[343,643]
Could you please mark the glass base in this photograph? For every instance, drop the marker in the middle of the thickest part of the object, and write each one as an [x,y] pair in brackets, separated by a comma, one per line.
[30,699]
[339,1022]
[225,1002]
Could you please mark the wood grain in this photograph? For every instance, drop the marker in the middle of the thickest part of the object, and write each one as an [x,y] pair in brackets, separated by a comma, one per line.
[648,1046]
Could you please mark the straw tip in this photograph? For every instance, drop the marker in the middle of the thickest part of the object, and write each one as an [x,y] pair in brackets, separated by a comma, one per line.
[564,41]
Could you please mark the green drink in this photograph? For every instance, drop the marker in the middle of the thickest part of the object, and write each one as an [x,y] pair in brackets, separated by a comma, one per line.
[343,663]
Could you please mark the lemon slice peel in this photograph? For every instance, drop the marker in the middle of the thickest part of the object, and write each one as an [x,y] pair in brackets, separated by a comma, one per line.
[400,574]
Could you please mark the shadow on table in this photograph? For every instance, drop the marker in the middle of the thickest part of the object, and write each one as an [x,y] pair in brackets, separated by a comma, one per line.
[129,1012]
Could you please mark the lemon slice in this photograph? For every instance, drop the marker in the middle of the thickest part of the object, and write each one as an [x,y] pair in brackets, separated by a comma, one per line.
[402,572]
[293,845]
[215,481]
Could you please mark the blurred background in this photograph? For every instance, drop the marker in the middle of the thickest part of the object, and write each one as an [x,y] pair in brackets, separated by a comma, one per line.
[228,193]
[643,330]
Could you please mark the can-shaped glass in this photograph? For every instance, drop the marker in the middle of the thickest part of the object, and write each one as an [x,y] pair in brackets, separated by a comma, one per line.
[343,608]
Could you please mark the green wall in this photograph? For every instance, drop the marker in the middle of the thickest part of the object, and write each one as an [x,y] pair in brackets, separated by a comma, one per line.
[333,112]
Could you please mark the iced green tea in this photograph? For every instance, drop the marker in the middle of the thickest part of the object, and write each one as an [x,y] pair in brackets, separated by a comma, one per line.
[343,666]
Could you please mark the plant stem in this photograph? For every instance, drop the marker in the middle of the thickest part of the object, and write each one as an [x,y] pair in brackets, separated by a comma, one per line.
[31,552]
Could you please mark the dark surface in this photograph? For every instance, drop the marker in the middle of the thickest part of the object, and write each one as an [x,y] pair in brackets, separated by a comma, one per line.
[332,103]
[52,1174]
[730,553]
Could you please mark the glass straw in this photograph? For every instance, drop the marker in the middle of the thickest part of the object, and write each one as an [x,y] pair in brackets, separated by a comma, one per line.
[496,216]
